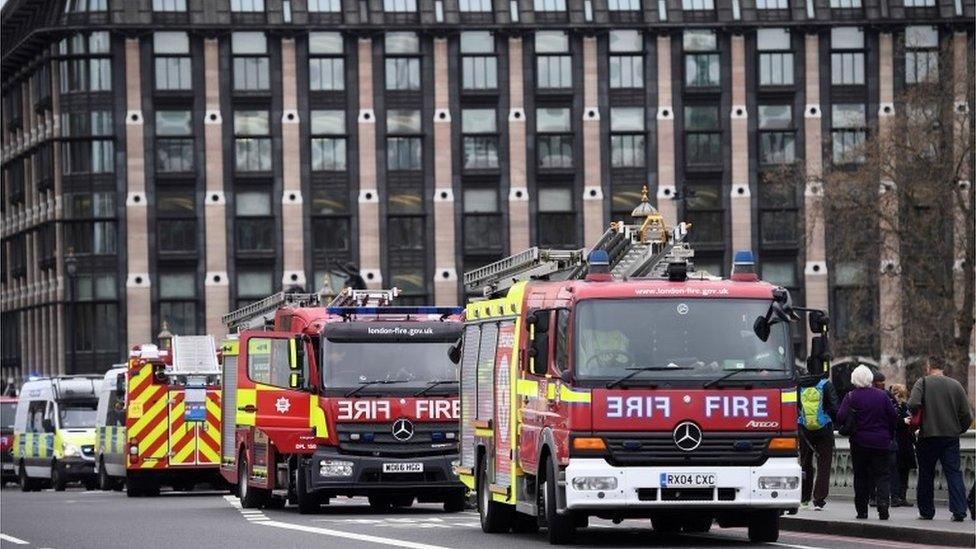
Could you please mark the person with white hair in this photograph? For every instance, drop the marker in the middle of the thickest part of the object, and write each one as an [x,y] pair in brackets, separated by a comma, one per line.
[874,418]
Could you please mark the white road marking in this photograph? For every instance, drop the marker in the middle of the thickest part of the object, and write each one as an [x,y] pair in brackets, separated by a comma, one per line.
[794,546]
[349,535]
[11,539]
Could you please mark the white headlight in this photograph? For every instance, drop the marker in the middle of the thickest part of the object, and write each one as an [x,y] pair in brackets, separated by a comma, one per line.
[71,450]
[595,483]
[778,483]
[335,468]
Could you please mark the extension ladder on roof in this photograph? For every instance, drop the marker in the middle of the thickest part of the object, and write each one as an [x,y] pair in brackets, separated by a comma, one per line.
[261,313]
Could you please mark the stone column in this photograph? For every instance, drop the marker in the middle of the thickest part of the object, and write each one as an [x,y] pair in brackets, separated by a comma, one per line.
[593,224]
[518,192]
[139,306]
[216,285]
[369,200]
[741,200]
[445,267]
[815,271]
[666,188]
[292,214]
[889,284]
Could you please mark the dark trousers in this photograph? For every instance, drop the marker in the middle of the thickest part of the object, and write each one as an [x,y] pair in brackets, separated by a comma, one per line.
[816,447]
[870,474]
[944,450]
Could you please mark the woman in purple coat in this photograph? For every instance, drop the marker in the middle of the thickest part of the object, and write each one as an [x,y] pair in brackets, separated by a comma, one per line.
[875,418]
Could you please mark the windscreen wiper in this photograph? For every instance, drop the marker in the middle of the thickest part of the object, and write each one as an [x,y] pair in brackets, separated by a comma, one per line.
[365,384]
[432,384]
[732,373]
[635,371]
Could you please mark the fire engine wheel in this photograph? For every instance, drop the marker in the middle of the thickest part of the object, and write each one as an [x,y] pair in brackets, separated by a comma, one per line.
[380,503]
[496,518]
[58,482]
[251,498]
[764,527]
[560,527]
[308,503]
[524,524]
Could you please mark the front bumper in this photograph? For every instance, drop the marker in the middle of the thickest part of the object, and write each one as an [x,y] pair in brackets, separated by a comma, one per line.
[368,478]
[77,468]
[640,487]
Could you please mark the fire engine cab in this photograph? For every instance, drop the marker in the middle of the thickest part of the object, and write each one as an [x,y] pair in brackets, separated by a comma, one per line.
[353,397]
[624,384]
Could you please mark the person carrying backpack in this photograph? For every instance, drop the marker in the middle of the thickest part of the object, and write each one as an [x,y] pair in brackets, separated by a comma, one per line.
[817,401]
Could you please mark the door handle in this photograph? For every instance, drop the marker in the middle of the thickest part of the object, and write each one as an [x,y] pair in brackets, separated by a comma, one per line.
[250,408]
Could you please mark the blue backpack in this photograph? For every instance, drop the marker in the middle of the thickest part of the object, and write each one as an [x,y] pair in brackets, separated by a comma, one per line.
[812,415]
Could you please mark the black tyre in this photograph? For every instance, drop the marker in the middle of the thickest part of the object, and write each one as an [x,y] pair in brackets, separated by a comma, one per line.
[456,502]
[251,498]
[524,524]
[561,527]
[764,527]
[307,501]
[26,483]
[665,523]
[58,480]
[696,525]
[496,518]
[104,482]
[133,486]
[380,503]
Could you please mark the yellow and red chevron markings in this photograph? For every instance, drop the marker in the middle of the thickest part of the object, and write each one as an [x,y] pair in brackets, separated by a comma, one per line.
[194,443]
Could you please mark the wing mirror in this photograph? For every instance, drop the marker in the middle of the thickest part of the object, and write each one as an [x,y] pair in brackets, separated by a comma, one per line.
[454,352]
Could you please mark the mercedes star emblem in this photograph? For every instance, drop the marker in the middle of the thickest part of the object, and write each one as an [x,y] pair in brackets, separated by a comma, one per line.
[687,436]
[402,429]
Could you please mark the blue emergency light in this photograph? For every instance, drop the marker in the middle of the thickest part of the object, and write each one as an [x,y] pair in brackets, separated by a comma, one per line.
[744,266]
[395,310]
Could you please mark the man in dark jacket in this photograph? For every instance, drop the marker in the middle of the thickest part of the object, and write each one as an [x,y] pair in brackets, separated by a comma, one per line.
[818,410]
[945,416]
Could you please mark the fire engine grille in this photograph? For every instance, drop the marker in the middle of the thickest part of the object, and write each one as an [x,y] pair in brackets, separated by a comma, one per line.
[376,439]
[659,449]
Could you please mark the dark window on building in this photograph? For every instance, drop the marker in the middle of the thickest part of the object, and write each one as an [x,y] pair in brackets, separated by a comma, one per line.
[251,62]
[704,210]
[173,61]
[253,284]
[176,228]
[772,4]
[483,228]
[474,6]
[86,145]
[554,64]
[85,63]
[255,223]
[554,138]
[775,57]
[627,149]
[328,130]
[169,5]
[174,141]
[90,227]
[703,136]
[848,132]
[252,141]
[330,220]
[404,144]
[776,134]
[324,6]
[16,181]
[178,301]
[846,56]
[42,84]
[326,64]
[779,220]
[82,6]
[479,130]
[853,307]
[96,313]
[557,217]
[400,6]
[14,106]
[246,6]
[921,54]
[623,5]
[479,66]
[47,241]
[702,69]
[402,51]
[626,58]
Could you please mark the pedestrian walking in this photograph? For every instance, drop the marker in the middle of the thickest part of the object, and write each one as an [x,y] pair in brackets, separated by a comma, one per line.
[873,417]
[818,411]
[905,452]
[945,416]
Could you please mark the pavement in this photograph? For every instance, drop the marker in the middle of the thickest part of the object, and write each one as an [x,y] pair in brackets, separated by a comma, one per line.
[838,517]
[91,519]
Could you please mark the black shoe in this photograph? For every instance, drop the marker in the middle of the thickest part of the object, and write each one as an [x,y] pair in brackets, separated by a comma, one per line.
[899,503]
[958,518]
[883,513]
[862,516]
[923,517]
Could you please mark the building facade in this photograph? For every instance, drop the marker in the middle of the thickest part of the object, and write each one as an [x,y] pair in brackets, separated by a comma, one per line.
[168,160]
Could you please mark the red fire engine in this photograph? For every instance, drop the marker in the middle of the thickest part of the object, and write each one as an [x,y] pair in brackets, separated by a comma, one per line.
[353,398]
[628,385]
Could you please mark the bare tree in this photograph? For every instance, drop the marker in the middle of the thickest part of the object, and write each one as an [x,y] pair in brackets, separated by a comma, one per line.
[899,215]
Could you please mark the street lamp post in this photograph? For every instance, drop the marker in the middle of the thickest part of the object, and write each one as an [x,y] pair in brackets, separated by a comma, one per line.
[71,268]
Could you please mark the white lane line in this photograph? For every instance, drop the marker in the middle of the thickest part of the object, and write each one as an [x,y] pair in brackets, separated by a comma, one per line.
[349,535]
[11,539]
[794,546]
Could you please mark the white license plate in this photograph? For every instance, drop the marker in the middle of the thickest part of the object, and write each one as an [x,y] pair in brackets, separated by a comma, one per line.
[687,480]
[403,467]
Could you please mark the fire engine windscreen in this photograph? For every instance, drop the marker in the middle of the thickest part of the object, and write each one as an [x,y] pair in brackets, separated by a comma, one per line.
[77,415]
[408,356]
[695,339]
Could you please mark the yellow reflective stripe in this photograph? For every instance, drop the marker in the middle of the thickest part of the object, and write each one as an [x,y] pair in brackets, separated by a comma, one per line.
[788,396]
[484,433]
[568,395]
[246,397]
[146,441]
[526,387]
[316,418]
[148,416]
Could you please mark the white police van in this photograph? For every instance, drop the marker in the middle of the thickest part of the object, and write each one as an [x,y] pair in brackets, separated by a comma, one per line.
[110,430]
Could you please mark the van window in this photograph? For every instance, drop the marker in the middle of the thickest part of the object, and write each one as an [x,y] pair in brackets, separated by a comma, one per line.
[115,415]
[37,411]
[267,361]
